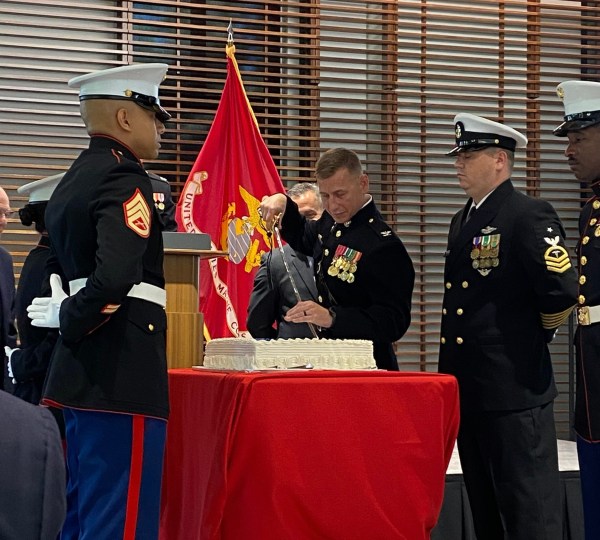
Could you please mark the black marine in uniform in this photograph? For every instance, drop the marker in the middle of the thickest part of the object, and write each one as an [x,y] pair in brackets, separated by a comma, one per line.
[111,355]
[508,284]
[364,275]
[581,100]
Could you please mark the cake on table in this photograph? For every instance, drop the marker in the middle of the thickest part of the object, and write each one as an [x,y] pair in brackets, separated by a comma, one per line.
[250,354]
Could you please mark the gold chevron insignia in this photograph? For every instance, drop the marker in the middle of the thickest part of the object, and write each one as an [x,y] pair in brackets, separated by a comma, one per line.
[557,259]
[137,214]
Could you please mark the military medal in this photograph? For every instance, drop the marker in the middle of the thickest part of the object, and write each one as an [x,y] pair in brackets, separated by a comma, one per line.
[485,252]
[344,263]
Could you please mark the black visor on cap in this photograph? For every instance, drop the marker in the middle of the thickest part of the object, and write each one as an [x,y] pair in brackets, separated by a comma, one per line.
[147,102]
[471,140]
[576,122]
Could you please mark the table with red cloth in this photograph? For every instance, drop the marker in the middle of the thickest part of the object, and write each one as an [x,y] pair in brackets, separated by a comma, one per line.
[306,454]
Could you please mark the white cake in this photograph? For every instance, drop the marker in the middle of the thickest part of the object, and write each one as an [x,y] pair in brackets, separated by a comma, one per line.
[249,354]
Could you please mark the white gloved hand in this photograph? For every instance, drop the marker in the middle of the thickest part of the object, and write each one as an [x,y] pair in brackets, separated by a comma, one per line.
[44,311]
[8,351]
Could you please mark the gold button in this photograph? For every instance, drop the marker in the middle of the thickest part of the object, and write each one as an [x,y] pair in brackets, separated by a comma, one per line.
[581,299]
[444,311]
[459,311]
[371,220]
[459,340]
[443,340]
[581,280]
[326,252]
[465,284]
[338,233]
[596,204]
[585,240]
[151,327]
[320,299]
[593,221]
[448,285]
[583,260]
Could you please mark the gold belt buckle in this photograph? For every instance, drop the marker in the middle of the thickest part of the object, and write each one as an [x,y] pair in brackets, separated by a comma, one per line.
[583,316]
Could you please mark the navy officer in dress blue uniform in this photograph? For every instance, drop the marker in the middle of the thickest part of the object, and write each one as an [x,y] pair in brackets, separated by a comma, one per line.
[581,126]
[108,371]
[364,274]
[509,283]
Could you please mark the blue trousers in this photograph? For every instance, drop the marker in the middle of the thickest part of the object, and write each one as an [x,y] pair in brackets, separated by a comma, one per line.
[589,472]
[114,463]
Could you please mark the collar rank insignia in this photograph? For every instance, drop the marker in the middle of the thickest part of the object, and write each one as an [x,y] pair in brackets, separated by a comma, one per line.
[386,233]
[137,214]
[485,253]
[556,256]
[344,263]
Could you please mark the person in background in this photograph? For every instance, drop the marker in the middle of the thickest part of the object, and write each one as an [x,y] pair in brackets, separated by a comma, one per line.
[364,274]
[108,371]
[581,126]
[28,364]
[509,284]
[163,201]
[273,293]
[8,333]
[32,472]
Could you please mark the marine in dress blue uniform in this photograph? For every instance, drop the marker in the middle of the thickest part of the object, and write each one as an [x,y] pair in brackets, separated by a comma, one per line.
[581,125]
[29,363]
[509,283]
[108,371]
[364,274]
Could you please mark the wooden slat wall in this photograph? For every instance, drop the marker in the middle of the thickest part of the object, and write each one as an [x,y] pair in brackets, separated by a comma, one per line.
[384,78]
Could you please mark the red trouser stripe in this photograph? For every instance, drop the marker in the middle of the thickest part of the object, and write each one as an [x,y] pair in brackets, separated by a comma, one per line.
[135,478]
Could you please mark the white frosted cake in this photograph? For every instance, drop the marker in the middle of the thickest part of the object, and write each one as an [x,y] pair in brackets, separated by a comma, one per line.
[249,354]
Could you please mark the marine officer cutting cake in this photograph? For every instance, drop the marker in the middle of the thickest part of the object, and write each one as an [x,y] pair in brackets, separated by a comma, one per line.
[108,372]
[364,274]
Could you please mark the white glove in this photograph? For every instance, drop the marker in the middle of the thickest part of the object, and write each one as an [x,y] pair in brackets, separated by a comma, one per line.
[8,351]
[44,311]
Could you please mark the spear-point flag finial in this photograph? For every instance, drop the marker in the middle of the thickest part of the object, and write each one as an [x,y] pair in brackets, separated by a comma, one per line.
[230,33]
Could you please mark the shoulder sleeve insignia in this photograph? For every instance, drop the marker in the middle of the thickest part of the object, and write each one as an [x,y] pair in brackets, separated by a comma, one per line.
[556,256]
[137,214]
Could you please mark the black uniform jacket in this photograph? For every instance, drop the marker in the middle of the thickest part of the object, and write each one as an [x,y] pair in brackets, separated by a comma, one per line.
[587,338]
[30,362]
[374,304]
[509,282]
[273,294]
[8,333]
[103,226]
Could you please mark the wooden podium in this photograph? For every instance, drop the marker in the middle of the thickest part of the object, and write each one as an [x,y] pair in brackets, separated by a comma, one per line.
[185,341]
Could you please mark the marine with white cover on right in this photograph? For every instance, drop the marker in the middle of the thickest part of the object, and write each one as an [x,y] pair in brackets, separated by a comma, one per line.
[581,126]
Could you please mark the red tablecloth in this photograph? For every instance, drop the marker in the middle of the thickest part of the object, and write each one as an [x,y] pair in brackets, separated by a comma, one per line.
[309,455]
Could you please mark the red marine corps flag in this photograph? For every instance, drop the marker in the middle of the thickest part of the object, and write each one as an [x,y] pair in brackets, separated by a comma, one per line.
[232,172]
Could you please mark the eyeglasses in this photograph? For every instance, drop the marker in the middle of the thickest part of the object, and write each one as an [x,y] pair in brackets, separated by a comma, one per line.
[6,213]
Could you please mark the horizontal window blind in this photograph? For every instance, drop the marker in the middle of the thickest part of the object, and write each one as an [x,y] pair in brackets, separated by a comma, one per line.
[383,78]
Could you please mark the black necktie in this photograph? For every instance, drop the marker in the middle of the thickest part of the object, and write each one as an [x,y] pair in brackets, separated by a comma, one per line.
[471,213]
